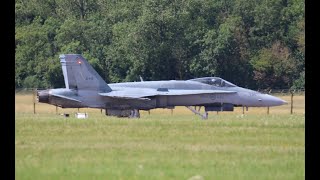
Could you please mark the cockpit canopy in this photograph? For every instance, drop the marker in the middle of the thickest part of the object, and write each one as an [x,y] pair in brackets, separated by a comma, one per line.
[214,81]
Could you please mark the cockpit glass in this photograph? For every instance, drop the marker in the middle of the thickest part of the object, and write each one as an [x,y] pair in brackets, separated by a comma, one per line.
[214,81]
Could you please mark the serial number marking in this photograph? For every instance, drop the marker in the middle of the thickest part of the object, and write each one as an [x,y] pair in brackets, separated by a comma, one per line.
[212,96]
[89,78]
[252,94]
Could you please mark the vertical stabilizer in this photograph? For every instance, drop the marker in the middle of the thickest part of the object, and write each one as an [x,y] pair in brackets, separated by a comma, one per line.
[79,74]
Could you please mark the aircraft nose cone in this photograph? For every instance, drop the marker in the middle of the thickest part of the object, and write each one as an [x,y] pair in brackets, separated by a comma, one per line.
[269,100]
[284,102]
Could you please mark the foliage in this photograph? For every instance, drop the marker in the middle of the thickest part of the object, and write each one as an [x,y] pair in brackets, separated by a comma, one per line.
[255,44]
[274,66]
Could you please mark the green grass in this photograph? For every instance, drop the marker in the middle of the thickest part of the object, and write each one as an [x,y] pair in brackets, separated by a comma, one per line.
[160,146]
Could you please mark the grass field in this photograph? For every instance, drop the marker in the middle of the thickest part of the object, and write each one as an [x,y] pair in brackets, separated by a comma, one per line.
[161,145]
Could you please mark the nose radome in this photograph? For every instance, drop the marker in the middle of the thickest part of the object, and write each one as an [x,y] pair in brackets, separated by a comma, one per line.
[284,102]
[273,101]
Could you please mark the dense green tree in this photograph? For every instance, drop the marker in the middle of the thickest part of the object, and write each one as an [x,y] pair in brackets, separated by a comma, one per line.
[226,52]
[34,47]
[253,43]
[274,67]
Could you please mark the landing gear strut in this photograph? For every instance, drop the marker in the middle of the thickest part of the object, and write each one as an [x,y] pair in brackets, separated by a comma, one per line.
[204,116]
[135,113]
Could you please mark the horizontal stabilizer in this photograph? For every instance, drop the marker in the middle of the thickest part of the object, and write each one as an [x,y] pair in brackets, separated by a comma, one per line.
[141,93]
[65,97]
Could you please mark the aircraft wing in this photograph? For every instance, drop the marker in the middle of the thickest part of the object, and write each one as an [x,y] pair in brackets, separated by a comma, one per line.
[143,93]
[176,92]
[130,93]
[65,97]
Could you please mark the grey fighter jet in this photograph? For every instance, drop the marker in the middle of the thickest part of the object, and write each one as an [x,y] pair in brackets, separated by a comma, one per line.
[85,88]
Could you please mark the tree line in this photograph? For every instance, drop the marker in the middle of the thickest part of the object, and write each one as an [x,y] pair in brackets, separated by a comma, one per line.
[251,43]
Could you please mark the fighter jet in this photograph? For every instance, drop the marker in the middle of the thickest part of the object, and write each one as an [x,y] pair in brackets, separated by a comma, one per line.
[84,88]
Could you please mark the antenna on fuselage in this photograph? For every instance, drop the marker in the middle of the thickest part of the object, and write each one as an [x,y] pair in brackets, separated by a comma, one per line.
[141,78]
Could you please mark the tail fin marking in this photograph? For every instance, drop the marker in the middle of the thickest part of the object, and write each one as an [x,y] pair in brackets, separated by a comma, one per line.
[79,74]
